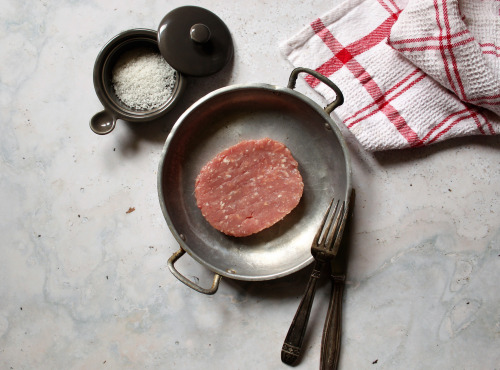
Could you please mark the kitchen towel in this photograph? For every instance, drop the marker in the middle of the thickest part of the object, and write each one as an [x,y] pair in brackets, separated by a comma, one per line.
[413,72]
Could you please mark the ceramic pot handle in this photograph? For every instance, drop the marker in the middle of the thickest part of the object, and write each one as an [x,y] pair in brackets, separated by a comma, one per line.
[330,107]
[102,123]
[175,257]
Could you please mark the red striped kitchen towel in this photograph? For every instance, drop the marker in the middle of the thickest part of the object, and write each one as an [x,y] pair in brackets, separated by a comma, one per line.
[413,72]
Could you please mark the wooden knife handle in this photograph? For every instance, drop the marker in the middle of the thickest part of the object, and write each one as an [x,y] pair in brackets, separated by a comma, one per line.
[293,342]
[330,342]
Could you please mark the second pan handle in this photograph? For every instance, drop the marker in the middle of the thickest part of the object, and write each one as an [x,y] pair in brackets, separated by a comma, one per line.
[171,262]
[330,107]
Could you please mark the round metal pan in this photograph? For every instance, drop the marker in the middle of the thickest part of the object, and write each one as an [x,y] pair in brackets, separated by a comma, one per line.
[224,118]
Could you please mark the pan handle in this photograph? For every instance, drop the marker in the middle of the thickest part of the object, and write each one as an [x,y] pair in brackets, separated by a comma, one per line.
[175,257]
[330,107]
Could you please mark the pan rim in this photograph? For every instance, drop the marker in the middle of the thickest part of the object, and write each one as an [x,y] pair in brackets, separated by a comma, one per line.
[167,146]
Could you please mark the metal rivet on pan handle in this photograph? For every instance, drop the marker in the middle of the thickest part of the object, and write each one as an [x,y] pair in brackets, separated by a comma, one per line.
[175,257]
[330,107]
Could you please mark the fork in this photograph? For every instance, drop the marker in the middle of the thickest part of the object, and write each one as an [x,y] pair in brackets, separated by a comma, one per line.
[324,247]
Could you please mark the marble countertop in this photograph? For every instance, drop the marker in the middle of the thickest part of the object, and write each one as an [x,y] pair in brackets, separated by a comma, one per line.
[84,245]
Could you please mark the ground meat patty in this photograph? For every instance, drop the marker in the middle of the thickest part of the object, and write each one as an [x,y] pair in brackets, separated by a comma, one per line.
[249,187]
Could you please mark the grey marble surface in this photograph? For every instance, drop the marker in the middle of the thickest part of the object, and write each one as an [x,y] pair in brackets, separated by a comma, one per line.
[84,283]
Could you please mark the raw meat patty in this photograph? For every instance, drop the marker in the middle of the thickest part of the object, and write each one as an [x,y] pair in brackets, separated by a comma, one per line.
[249,187]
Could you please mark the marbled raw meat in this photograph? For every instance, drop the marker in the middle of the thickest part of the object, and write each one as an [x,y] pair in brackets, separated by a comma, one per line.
[249,187]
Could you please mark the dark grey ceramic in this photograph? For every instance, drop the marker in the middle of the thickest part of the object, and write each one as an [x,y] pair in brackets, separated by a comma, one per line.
[104,122]
[195,41]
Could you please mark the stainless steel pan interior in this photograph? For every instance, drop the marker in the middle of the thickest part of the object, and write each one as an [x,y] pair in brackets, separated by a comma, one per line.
[224,118]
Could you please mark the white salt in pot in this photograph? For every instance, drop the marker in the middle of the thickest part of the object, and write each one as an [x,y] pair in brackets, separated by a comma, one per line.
[141,39]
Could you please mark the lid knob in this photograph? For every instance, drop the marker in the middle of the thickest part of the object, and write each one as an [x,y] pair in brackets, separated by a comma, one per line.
[199,33]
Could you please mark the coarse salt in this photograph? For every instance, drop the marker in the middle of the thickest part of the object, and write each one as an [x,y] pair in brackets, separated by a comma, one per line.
[142,79]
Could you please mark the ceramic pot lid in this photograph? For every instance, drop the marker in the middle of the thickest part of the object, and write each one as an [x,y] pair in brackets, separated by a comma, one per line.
[194,41]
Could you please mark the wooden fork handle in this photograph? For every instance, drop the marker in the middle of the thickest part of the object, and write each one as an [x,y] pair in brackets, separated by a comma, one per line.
[330,342]
[293,342]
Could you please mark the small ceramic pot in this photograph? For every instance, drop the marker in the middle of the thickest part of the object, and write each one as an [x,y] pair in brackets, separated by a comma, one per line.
[104,122]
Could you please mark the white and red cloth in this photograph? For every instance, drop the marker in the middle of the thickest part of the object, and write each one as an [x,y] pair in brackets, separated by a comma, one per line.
[413,72]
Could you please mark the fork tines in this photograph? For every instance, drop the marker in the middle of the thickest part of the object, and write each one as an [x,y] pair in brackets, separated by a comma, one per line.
[329,228]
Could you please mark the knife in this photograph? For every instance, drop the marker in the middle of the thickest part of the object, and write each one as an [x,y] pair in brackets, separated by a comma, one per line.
[330,342]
